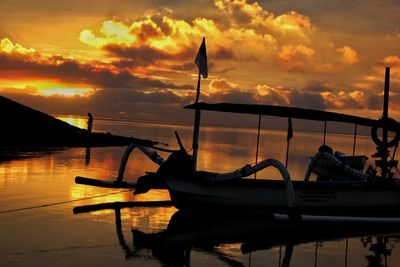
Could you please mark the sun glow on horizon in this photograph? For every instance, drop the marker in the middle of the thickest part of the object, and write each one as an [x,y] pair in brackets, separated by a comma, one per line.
[67,92]
[47,89]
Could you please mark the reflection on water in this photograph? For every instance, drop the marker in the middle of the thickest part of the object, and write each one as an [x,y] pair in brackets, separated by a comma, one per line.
[49,234]
[228,238]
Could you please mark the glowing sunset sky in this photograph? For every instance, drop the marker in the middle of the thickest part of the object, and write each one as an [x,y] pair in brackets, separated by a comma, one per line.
[134,59]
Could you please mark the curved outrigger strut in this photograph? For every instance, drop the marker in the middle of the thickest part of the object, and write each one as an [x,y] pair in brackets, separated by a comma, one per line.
[119,182]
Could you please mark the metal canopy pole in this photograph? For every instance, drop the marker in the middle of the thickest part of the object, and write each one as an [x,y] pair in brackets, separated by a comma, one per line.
[355,139]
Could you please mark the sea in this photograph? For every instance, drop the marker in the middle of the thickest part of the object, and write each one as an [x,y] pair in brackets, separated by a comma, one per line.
[46,219]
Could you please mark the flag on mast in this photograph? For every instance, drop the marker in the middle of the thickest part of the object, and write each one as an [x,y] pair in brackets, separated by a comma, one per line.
[201,59]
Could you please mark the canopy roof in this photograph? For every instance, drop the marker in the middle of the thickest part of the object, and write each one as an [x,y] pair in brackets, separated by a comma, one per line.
[283,111]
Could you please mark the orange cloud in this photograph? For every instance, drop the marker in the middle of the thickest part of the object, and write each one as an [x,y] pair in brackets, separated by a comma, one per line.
[290,53]
[174,36]
[270,95]
[294,57]
[345,100]
[392,61]
[222,86]
[250,34]
[348,55]
[252,13]
[50,75]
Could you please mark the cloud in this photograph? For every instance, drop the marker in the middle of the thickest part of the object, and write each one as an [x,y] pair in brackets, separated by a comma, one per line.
[345,100]
[374,102]
[232,97]
[116,103]
[319,87]
[223,53]
[221,86]
[306,100]
[392,61]
[8,47]
[347,55]
[145,55]
[239,31]
[295,58]
[150,57]
[272,96]
[242,12]
[112,33]
[394,36]
[176,37]
[35,67]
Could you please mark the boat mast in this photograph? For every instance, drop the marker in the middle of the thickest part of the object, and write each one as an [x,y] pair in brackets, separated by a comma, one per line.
[196,127]
[201,62]
[384,154]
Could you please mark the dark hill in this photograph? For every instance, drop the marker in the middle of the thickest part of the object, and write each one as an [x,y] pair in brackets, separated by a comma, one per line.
[24,126]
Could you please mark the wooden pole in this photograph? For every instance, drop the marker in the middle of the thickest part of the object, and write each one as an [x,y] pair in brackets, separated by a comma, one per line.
[196,128]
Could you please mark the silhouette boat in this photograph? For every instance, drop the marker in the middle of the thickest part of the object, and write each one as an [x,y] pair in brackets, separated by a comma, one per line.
[344,187]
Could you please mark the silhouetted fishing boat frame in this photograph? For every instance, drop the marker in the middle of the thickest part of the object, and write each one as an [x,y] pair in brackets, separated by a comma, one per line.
[343,188]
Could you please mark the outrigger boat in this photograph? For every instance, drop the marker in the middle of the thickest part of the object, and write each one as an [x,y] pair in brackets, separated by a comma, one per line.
[344,186]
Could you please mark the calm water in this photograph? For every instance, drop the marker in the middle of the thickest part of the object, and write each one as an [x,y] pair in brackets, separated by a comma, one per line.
[38,195]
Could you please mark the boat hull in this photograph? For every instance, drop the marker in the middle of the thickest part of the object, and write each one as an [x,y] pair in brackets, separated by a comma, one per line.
[322,198]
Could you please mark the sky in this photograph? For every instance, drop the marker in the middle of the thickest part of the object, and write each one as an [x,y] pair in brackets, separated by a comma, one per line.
[135,59]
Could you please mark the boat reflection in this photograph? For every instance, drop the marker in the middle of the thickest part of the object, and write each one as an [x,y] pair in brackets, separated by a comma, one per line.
[208,232]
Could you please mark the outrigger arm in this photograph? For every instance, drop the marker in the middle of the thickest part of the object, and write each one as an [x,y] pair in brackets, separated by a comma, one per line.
[119,182]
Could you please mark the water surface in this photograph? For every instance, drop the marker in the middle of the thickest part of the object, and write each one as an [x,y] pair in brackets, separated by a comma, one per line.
[38,195]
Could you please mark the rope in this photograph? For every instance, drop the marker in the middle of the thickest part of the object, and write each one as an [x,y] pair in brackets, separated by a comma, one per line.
[63,202]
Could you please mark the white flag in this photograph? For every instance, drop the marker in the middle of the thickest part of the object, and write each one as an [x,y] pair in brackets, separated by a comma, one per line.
[201,59]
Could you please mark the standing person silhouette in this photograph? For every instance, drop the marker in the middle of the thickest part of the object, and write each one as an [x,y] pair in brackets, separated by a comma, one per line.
[89,123]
